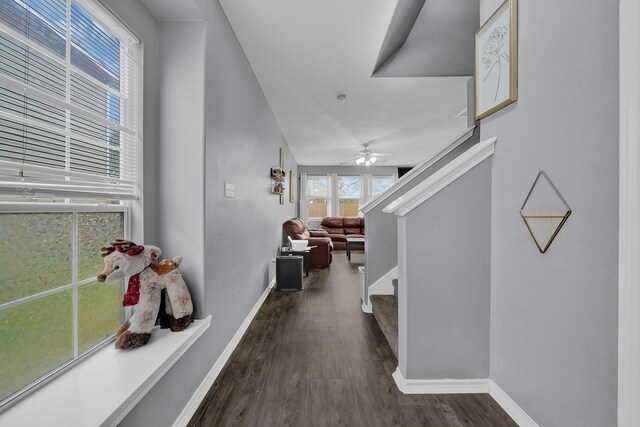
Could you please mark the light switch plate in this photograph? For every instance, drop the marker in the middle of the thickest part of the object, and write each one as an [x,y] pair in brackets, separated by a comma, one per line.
[229,190]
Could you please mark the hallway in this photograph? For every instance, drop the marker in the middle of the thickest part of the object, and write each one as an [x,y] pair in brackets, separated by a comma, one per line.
[314,358]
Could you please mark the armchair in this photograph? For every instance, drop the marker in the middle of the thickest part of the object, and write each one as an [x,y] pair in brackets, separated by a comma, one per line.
[320,255]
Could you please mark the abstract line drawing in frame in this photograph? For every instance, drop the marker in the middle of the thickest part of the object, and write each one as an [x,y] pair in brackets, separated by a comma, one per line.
[496,60]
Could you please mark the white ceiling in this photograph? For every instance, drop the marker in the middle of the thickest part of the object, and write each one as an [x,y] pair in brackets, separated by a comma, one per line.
[306,53]
[174,10]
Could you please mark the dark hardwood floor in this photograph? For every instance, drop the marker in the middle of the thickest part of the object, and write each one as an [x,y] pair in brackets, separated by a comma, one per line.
[313,358]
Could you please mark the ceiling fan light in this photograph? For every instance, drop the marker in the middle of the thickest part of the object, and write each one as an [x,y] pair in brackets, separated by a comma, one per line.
[367,163]
[360,161]
[373,160]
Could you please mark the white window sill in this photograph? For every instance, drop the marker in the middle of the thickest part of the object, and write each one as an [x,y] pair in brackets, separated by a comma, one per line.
[102,389]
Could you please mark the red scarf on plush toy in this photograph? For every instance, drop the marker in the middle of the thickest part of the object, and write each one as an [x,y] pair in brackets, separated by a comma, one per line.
[132,296]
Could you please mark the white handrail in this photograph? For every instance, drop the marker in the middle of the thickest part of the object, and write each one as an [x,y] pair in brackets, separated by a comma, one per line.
[443,177]
[417,170]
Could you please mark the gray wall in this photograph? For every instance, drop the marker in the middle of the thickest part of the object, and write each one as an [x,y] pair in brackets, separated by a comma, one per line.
[444,281]
[381,244]
[554,316]
[181,219]
[239,141]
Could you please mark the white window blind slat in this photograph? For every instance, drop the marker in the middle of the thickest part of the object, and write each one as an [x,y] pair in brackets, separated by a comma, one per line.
[68,100]
[30,90]
[34,170]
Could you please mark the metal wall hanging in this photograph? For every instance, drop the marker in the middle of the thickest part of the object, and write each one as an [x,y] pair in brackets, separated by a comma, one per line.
[282,155]
[544,211]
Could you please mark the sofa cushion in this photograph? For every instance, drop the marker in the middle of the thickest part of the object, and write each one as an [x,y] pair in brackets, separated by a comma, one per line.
[315,241]
[318,233]
[296,229]
[332,222]
[352,222]
[338,237]
[333,230]
[352,230]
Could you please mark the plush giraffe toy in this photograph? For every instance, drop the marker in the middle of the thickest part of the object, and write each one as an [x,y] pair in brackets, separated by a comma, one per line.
[147,277]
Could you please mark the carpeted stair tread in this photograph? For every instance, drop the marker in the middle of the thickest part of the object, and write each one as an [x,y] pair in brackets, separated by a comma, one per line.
[385,311]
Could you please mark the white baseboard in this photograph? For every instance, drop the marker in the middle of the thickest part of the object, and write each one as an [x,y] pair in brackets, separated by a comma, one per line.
[440,386]
[510,407]
[191,407]
[382,286]
[465,387]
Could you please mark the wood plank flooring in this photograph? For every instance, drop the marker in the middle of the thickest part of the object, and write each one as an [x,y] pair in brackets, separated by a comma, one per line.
[313,358]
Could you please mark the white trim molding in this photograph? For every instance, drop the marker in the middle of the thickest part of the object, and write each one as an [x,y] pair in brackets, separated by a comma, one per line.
[442,178]
[629,211]
[417,170]
[382,286]
[408,386]
[510,407]
[470,386]
[200,393]
[107,385]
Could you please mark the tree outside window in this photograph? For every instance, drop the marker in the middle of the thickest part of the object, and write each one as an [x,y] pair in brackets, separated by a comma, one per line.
[379,184]
[348,195]
[318,195]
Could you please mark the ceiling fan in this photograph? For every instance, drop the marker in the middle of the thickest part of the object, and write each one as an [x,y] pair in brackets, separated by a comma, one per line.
[368,157]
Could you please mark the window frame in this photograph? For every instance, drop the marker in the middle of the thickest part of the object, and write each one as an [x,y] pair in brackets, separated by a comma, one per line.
[333,197]
[327,197]
[339,198]
[74,209]
[67,181]
[131,107]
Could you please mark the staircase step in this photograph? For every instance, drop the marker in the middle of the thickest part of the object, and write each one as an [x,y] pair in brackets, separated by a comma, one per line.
[385,311]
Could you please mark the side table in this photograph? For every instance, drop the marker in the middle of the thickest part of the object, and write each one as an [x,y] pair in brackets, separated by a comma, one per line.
[306,257]
[355,242]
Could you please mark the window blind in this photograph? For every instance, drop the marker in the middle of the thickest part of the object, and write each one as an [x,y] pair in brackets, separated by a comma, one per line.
[68,101]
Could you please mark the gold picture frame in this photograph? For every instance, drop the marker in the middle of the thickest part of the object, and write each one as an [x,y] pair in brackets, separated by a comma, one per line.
[497,36]
[291,187]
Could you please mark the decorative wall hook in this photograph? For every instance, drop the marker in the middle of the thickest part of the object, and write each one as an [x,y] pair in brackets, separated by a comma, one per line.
[544,211]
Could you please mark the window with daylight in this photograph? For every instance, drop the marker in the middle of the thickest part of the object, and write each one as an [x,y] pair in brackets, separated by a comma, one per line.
[348,195]
[68,137]
[379,184]
[318,196]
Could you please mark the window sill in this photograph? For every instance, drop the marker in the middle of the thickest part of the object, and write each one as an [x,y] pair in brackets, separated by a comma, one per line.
[106,386]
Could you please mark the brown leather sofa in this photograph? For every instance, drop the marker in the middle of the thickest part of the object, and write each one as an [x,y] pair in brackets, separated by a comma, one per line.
[320,255]
[340,227]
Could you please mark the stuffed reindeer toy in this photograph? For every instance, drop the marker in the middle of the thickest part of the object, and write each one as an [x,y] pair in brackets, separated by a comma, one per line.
[147,278]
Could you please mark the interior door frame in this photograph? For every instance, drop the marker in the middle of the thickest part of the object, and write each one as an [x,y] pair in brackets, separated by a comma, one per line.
[629,227]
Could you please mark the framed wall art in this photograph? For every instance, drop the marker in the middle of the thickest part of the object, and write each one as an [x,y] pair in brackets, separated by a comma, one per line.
[291,187]
[496,61]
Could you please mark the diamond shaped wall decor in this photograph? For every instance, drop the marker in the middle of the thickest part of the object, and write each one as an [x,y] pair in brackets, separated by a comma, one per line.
[544,211]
